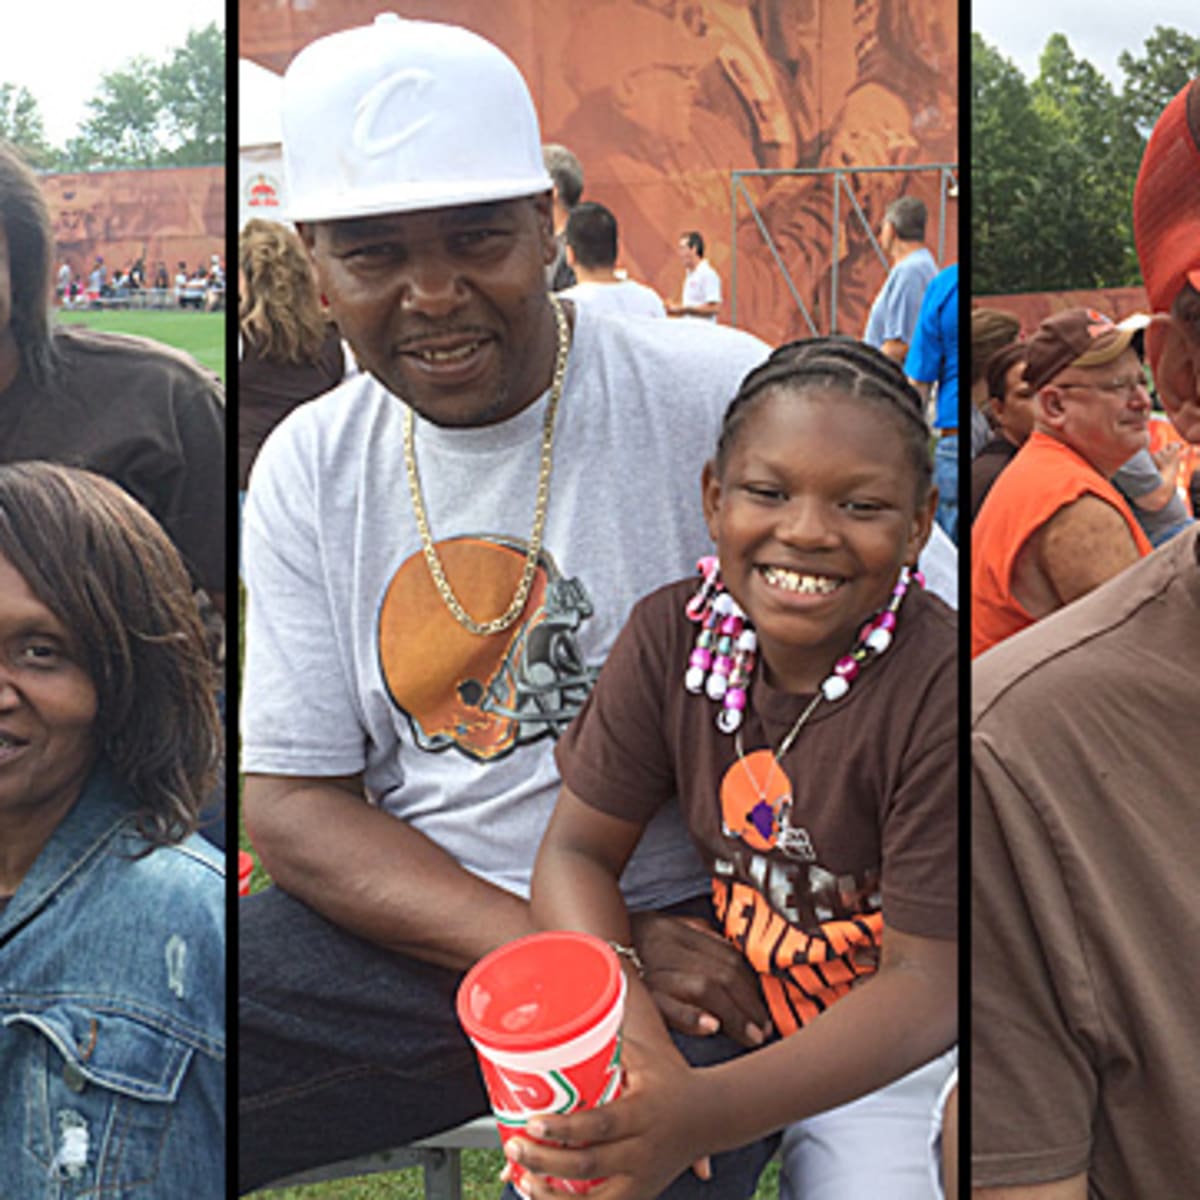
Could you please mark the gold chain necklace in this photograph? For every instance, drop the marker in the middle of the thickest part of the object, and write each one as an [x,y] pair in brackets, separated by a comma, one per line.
[514,610]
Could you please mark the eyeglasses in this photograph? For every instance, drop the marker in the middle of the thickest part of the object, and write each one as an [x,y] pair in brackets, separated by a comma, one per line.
[1118,387]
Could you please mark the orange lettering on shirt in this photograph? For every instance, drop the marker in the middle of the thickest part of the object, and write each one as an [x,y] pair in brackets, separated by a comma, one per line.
[795,946]
[742,901]
[842,935]
[765,931]
[720,891]
[801,974]
[791,1009]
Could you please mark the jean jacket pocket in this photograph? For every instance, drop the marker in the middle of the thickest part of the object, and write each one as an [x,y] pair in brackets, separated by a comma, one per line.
[97,1085]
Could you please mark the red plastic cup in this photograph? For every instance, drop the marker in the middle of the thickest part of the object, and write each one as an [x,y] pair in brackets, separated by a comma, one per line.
[544,1013]
[245,870]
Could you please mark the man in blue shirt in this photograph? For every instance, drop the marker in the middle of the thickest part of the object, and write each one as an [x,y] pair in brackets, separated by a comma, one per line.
[933,360]
[893,315]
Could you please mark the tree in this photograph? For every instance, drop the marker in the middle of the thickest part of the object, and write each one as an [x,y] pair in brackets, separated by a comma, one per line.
[1096,151]
[123,129]
[1152,81]
[1054,162]
[21,124]
[150,115]
[191,93]
[1008,165]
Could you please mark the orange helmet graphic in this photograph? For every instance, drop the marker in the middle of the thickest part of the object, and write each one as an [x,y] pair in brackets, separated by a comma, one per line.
[485,695]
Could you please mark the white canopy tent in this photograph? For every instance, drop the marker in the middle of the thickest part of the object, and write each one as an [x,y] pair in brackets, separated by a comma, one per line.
[260,157]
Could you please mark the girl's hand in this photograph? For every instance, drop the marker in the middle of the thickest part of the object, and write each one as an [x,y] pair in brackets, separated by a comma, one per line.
[638,1144]
[701,983]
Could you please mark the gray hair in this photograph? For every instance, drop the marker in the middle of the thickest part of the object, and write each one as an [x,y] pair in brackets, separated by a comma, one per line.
[908,216]
[566,171]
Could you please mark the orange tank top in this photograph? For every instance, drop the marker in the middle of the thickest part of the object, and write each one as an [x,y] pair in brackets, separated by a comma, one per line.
[1044,476]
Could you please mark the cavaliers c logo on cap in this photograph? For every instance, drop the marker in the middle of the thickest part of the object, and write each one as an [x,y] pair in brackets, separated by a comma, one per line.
[411,82]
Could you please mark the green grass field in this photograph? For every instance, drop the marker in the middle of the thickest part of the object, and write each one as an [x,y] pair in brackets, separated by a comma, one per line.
[200,334]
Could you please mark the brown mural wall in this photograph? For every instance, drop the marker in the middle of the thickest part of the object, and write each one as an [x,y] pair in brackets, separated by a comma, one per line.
[1032,308]
[169,215]
[662,99]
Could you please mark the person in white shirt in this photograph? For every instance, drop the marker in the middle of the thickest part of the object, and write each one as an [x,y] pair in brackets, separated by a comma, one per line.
[701,284]
[592,251]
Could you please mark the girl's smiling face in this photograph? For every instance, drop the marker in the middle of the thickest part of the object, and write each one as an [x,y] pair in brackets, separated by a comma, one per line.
[814,514]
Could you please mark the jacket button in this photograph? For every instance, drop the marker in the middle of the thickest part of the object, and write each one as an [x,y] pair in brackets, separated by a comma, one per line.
[73,1077]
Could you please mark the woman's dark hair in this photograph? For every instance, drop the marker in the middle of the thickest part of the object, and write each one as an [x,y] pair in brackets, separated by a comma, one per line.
[991,329]
[842,362]
[104,567]
[999,365]
[26,220]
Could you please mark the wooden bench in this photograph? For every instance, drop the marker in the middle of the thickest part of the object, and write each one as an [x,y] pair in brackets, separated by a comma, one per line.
[440,1157]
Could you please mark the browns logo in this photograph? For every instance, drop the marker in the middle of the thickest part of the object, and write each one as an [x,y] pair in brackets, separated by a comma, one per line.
[483,695]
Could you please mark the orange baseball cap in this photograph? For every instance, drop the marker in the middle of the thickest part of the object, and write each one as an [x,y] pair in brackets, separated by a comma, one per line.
[1166,201]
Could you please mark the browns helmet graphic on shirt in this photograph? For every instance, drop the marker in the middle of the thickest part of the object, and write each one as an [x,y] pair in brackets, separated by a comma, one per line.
[484,695]
[810,932]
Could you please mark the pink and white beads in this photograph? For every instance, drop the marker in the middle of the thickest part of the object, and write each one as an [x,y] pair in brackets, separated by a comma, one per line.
[721,663]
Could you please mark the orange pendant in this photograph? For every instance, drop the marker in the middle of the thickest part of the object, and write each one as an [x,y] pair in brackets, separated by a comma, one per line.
[755,797]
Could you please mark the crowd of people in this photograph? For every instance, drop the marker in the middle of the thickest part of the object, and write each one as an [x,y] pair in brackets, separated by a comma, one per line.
[1080,472]
[132,286]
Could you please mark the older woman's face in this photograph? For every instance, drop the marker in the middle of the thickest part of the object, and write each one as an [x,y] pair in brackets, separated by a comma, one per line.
[47,704]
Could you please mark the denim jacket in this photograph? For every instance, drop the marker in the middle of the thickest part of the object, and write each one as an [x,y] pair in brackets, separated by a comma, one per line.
[112,1015]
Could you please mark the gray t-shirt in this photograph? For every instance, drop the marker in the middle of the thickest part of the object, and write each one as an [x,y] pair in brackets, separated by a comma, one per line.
[1139,476]
[353,662]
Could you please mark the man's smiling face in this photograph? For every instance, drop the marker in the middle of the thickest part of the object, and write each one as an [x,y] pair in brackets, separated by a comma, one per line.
[446,307]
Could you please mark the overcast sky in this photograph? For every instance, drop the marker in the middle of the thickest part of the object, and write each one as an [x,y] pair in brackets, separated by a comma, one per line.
[1096,31]
[59,48]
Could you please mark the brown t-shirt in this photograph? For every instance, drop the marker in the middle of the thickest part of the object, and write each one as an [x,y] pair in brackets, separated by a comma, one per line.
[1085,939]
[141,414]
[269,390]
[873,830]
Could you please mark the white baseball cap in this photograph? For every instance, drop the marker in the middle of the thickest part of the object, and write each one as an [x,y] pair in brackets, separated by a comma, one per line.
[403,115]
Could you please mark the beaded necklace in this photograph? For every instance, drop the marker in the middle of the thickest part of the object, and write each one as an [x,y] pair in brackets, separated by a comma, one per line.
[721,666]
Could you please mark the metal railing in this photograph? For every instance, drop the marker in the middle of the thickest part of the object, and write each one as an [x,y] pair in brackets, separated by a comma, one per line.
[947,180]
[142,298]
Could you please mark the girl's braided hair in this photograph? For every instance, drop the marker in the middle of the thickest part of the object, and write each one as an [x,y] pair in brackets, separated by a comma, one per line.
[840,362]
